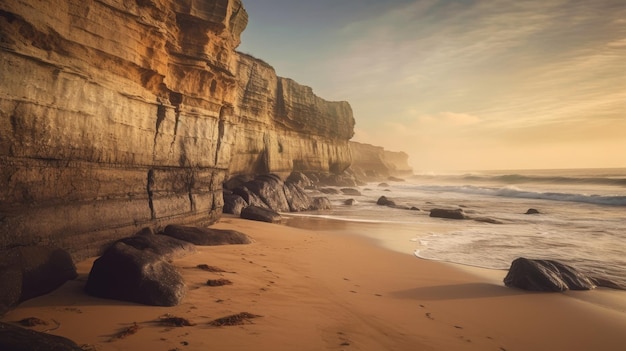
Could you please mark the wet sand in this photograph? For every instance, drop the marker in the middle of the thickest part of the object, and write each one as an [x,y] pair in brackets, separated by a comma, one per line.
[321,289]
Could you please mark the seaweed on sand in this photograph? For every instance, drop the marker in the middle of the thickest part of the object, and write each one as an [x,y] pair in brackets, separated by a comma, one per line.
[218,282]
[172,321]
[235,319]
[126,332]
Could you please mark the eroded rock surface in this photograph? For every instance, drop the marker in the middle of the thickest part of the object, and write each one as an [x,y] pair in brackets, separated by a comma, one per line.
[14,338]
[261,214]
[126,273]
[546,275]
[206,236]
[120,115]
[285,127]
[27,272]
[448,213]
[114,115]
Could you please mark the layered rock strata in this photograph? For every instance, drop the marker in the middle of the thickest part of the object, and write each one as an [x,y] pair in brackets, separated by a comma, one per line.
[284,127]
[119,115]
[114,115]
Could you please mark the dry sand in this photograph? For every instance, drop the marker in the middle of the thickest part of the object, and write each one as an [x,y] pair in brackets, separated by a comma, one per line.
[328,290]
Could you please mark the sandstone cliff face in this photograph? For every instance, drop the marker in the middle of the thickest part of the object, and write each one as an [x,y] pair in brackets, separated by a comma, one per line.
[114,115]
[283,126]
[374,162]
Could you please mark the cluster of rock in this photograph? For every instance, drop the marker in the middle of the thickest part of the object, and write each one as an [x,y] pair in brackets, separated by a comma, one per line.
[135,269]
[262,197]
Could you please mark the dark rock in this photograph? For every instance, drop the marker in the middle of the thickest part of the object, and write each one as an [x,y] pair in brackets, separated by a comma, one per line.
[237,181]
[164,246]
[606,283]
[487,220]
[300,179]
[350,202]
[14,338]
[413,208]
[297,198]
[532,211]
[257,213]
[344,179]
[233,204]
[395,179]
[446,213]
[383,185]
[350,191]
[321,203]
[269,188]
[206,236]
[129,274]
[31,271]
[384,201]
[249,197]
[545,275]
[330,191]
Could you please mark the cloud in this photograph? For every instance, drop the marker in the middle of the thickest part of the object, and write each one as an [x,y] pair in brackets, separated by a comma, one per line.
[479,76]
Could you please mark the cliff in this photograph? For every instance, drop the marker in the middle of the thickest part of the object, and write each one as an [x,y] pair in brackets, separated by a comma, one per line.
[117,115]
[283,126]
[371,162]
[113,116]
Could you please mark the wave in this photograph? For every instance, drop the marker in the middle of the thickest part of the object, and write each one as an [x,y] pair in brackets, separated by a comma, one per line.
[614,177]
[515,192]
[520,178]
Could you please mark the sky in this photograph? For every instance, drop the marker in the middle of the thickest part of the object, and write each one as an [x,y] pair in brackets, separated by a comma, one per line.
[461,84]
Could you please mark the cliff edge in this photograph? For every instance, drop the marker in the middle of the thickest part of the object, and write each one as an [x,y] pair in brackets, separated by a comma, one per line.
[118,115]
[113,116]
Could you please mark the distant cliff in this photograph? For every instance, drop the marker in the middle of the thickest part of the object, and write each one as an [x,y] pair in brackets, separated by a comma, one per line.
[371,162]
[116,115]
[283,126]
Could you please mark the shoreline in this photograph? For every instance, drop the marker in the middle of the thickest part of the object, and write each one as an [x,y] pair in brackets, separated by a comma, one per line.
[331,290]
[610,299]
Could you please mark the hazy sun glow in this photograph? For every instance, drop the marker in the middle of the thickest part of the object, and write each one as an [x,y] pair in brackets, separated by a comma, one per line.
[462,84]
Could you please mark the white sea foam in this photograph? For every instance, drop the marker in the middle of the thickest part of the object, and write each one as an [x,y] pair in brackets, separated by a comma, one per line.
[581,220]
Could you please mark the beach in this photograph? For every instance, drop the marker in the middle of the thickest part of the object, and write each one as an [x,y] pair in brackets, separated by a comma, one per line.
[314,289]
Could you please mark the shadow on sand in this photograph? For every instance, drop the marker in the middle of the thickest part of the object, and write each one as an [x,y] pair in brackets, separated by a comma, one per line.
[458,292]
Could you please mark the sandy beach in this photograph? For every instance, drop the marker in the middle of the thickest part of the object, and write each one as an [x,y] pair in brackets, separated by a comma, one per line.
[330,290]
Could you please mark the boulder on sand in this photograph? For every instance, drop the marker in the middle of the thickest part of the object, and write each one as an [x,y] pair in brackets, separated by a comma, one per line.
[206,236]
[130,274]
[31,271]
[233,203]
[13,338]
[261,214]
[447,213]
[163,246]
[546,275]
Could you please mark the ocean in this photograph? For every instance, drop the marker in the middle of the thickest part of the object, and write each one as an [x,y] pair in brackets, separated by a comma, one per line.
[581,220]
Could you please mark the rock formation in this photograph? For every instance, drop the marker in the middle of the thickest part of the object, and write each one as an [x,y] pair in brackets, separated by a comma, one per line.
[546,275]
[371,163]
[284,127]
[28,272]
[119,115]
[114,115]
[20,339]
[448,213]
